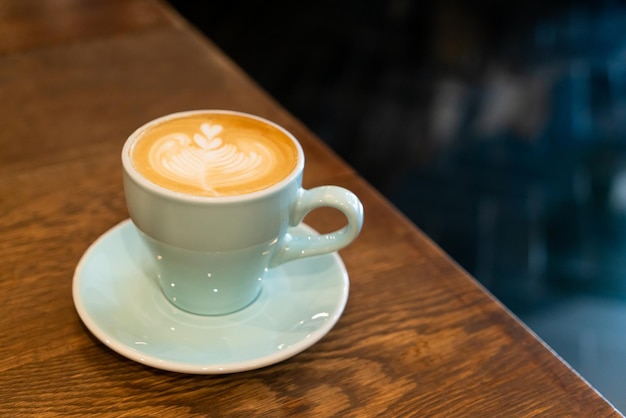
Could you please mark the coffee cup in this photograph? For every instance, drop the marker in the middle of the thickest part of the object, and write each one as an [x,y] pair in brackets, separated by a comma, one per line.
[214,195]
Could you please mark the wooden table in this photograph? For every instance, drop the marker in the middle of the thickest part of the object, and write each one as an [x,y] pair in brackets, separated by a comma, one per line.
[419,336]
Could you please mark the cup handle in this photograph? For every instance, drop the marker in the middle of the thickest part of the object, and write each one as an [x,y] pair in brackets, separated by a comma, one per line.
[292,247]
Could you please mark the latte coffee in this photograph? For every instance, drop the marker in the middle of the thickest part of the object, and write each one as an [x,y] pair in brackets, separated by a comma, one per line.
[213,154]
[216,198]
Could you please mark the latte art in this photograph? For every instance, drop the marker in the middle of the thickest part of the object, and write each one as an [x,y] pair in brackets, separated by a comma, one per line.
[206,162]
[214,155]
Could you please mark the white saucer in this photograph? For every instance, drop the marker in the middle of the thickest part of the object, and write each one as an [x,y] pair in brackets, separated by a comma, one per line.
[122,305]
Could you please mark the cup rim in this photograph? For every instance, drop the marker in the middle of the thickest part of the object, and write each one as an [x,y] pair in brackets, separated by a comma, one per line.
[130,170]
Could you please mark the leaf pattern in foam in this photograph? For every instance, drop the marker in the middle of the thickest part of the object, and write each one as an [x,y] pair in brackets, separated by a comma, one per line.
[206,161]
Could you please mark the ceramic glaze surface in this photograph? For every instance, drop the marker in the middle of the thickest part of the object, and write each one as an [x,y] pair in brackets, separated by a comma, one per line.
[212,253]
[118,298]
[202,282]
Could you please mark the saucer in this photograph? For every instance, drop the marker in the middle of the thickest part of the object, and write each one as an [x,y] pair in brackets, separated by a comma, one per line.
[120,302]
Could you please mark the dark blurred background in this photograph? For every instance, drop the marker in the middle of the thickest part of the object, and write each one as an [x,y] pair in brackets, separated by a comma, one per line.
[499,128]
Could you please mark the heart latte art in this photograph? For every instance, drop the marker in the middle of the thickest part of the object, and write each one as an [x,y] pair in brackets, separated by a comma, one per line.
[214,154]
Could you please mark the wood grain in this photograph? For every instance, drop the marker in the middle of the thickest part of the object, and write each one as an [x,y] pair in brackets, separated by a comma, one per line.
[419,336]
[27,24]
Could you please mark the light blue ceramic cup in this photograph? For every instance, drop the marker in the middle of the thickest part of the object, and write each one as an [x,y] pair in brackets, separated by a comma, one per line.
[211,254]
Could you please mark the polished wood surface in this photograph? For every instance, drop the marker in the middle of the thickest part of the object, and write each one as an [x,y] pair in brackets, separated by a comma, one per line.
[419,336]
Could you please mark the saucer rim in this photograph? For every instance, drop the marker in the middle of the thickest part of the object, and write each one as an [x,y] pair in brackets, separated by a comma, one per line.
[150,360]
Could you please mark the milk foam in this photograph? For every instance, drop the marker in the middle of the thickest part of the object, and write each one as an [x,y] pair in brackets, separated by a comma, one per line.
[207,162]
[213,154]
